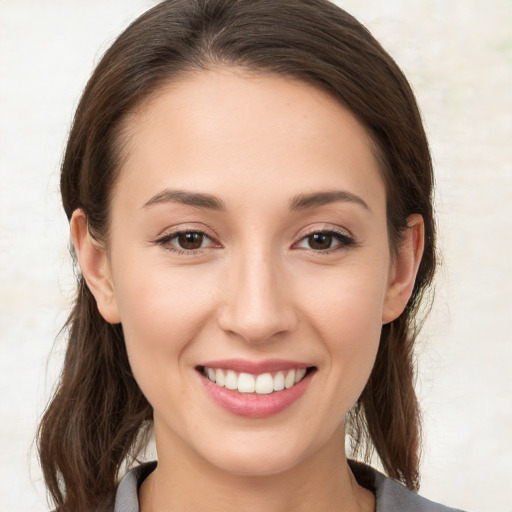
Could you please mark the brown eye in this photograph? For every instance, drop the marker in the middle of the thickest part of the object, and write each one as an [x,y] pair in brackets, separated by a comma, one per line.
[187,242]
[190,240]
[326,241]
[320,241]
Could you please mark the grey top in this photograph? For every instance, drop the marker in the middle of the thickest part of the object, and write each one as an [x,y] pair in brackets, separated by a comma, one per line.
[390,495]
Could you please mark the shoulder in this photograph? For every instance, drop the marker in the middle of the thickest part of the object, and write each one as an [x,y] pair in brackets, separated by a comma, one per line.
[391,496]
[127,499]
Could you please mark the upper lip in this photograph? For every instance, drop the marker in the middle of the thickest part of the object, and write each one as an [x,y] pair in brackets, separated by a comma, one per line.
[254,367]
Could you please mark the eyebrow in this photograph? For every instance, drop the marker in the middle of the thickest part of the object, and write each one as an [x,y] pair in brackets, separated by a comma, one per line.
[315,199]
[196,199]
[211,202]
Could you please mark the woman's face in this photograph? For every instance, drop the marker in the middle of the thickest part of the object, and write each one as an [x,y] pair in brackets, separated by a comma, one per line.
[248,241]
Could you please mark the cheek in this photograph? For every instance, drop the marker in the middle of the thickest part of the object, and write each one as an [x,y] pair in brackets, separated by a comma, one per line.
[347,303]
[152,295]
[162,310]
[346,315]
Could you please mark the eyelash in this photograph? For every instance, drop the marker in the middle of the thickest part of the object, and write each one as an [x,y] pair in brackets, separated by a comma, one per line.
[166,241]
[344,241]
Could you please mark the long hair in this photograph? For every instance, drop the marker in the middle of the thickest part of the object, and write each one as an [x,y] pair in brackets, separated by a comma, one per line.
[98,417]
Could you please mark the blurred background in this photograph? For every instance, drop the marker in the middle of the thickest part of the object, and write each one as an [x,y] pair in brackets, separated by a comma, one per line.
[458,56]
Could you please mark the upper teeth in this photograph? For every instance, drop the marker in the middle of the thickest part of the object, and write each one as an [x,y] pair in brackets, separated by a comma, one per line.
[263,384]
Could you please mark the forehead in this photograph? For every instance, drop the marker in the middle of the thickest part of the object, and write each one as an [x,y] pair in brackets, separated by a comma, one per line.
[223,129]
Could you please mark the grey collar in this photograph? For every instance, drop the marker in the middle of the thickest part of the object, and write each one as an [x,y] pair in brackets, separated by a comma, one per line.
[391,496]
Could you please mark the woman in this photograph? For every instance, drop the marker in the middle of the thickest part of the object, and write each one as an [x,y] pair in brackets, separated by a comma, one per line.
[249,188]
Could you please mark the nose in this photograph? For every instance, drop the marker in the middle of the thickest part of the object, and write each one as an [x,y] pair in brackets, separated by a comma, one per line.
[258,303]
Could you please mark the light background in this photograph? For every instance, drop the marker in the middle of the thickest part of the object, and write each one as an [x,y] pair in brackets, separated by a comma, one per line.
[458,57]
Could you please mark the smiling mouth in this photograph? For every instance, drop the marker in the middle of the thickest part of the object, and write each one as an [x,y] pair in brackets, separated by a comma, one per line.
[260,384]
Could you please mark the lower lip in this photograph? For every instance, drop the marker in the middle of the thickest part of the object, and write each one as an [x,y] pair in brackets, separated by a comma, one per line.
[252,405]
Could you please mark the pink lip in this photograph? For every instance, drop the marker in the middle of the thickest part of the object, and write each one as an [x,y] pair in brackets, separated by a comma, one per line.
[255,367]
[251,405]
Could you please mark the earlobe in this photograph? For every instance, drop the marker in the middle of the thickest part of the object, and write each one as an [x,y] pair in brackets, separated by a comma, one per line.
[404,268]
[95,266]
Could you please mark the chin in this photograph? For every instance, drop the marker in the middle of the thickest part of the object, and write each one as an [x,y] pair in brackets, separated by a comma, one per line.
[259,455]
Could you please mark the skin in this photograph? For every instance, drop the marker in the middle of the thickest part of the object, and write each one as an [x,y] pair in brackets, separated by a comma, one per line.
[256,289]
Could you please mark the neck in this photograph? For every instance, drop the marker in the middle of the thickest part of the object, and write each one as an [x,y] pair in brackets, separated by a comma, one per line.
[184,481]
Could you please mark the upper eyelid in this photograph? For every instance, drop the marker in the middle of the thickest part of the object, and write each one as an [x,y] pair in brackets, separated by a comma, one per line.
[325,228]
[187,228]
[341,236]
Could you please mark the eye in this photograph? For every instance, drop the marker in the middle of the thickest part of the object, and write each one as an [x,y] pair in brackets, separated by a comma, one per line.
[324,241]
[190,240]
[186,241]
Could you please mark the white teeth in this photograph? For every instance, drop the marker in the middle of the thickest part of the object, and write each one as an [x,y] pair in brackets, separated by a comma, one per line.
[262,384]
[219,377]
[246,383]
[231,381]
[289,380]
[279,381]
[299,374]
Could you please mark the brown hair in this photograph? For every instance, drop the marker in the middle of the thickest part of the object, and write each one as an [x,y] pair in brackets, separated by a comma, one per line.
[98,417]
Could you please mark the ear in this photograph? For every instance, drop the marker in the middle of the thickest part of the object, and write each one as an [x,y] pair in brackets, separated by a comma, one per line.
[403,270]
[95,266]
